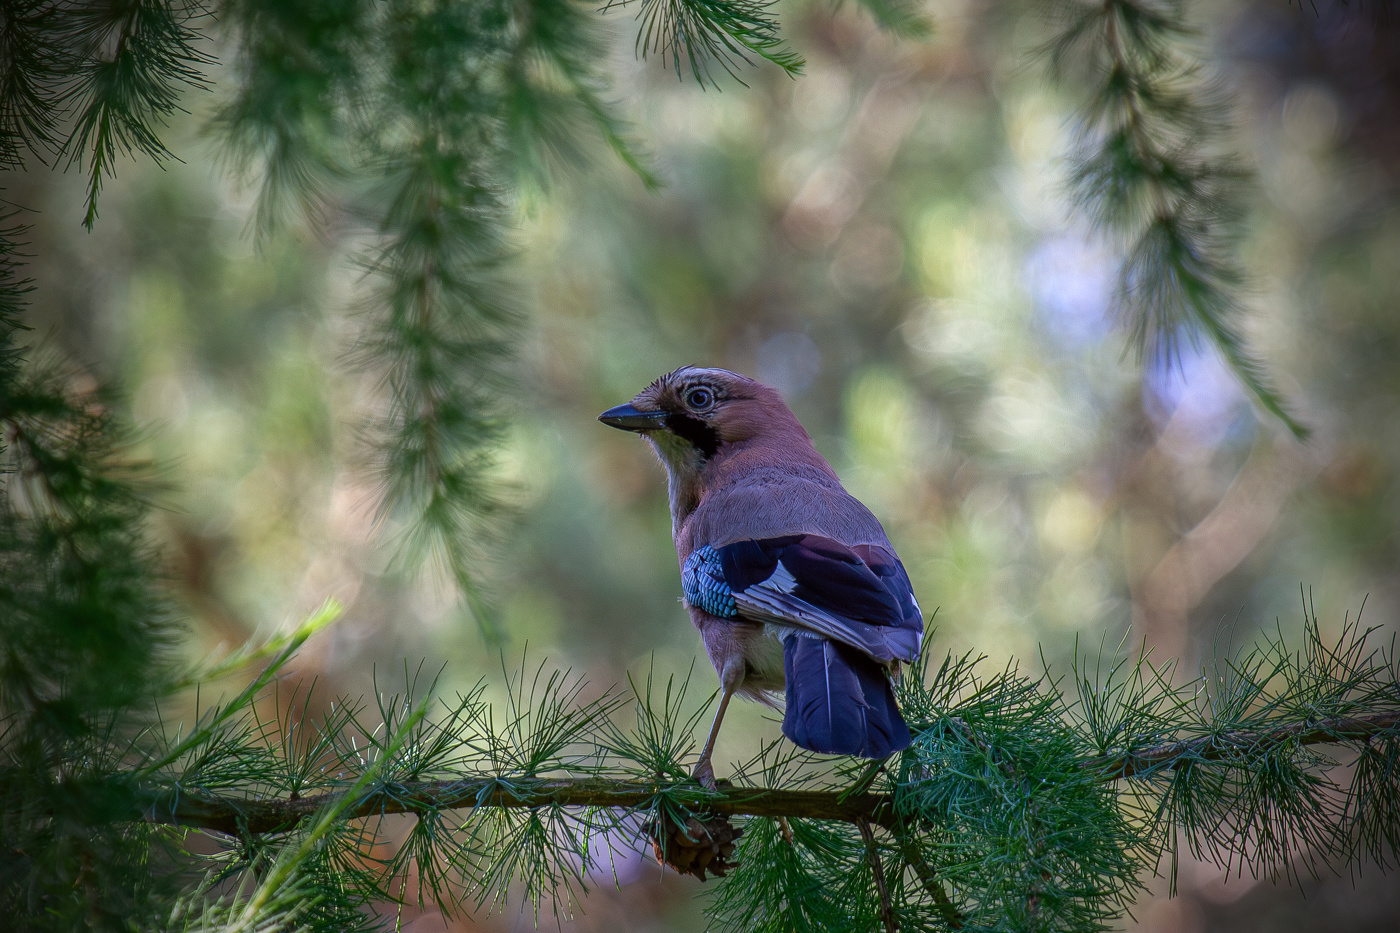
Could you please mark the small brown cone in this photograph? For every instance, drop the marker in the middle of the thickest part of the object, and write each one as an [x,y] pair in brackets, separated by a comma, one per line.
[702,844]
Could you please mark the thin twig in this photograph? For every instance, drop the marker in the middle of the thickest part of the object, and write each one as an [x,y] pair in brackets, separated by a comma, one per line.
[872,852]
[909,851]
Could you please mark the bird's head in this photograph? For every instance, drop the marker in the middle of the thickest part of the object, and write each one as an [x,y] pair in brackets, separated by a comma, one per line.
[694,415]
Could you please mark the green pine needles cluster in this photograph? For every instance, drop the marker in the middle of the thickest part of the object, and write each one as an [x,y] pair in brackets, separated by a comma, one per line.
[84,633]
[91,83]
[1153,174]
[416,118]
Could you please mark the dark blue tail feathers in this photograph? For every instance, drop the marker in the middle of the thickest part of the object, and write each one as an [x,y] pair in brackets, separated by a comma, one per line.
[839,702]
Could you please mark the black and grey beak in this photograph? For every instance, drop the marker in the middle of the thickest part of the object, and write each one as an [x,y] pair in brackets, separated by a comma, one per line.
[632,419]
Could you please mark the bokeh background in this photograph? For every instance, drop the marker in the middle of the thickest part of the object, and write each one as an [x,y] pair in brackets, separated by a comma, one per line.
[886,239]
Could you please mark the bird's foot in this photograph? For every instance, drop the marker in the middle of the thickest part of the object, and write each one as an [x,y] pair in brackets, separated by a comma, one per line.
[705,773]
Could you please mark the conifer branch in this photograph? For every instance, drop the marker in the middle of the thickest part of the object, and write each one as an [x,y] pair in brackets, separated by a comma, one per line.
[123,98]
[1147,173]
[1233,744]
[702,32]
[234,816]
[909,851]
[877,870]
[237,816]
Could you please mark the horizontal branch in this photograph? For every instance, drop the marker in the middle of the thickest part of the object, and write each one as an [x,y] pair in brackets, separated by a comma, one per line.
[1232,744]
[248,816]
[245,816]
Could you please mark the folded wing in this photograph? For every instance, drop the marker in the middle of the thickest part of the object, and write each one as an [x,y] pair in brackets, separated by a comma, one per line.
[858,596]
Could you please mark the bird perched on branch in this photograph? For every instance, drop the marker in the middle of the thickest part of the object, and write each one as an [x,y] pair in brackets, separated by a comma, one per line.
[789,579]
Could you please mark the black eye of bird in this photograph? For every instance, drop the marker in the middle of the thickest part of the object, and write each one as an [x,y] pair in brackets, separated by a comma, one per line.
[699,399]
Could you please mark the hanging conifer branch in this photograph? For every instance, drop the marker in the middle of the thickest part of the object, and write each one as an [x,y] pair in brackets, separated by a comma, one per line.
[115,72]
[440,108]
[700,33]
[1148,174]
[137,60]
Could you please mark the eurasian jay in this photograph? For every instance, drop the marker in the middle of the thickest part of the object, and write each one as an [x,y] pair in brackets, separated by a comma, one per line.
[789,579]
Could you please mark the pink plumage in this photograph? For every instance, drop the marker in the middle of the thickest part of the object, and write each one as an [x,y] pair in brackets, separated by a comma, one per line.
[791,581]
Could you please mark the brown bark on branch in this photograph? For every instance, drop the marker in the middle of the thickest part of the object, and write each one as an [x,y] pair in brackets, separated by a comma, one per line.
[241,815]
[237,816]
[877,870]
[909,850]
[1235,744]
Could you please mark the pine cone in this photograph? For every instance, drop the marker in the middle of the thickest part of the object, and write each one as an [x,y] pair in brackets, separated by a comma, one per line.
[701,844]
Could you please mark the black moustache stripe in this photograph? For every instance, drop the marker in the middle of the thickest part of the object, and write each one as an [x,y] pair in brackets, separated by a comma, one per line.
[698,433]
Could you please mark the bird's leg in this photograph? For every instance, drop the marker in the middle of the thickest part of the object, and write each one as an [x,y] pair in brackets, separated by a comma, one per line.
[704,770]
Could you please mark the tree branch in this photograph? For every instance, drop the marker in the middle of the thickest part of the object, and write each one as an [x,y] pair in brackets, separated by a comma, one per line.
[248,816]
[1231,744]
[234,815]
[872,853]
[909,850]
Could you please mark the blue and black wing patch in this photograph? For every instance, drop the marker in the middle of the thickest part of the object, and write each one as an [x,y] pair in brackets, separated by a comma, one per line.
[704,585]
[858,596]
[847,613]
